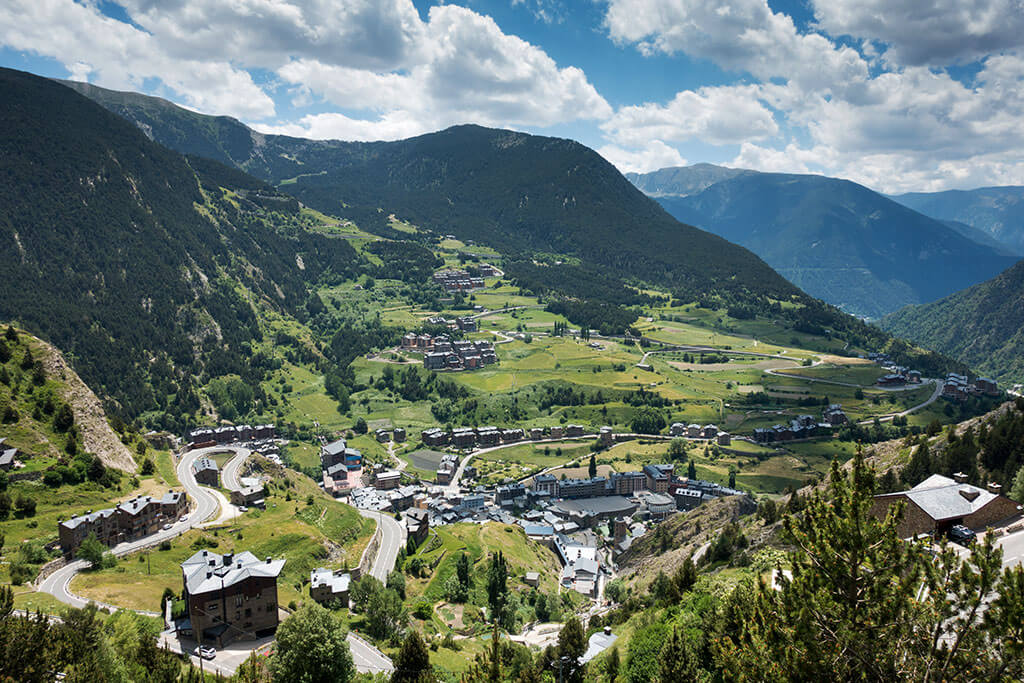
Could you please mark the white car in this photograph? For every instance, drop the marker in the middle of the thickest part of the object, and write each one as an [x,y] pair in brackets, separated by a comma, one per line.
[242,508]
[205,652]
[168,526]
[183,518]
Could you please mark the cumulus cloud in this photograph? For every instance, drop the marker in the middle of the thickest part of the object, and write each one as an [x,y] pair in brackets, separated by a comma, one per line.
[939,32]
[115,54]
[653,155]
[390,72]
[717,115]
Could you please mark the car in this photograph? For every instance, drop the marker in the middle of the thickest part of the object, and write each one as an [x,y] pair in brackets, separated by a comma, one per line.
[205,652]
[183,518]
[168,526]
[962,535]
[242,508]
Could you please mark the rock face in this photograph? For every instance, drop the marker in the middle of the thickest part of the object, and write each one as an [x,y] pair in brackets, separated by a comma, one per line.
[97,435]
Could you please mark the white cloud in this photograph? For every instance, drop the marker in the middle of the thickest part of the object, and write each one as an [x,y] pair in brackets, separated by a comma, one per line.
[717,115]
[938,32]
[744,35]
[653,155]
[120,56]
[394,125]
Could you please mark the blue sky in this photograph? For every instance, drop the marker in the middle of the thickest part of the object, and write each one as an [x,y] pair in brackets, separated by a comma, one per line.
[896,94]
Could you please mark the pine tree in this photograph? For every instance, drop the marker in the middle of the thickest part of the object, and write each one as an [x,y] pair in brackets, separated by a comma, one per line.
[691,470]
[571,646]
[920,466]
[497,585]
[612,664]
[592,467]
[1017,490]
[412,665]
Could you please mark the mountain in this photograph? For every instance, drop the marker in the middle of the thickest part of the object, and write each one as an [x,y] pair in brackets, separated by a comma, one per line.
[833,238]
[982,326]
[521,194]
[981,237]
[134,262]
[996,211]
[682,181]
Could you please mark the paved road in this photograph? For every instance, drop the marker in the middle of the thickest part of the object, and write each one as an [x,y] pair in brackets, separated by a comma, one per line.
[230,477]
[392,540]
[367,658]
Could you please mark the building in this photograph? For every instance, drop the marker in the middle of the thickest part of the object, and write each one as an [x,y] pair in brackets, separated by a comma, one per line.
[987,386]
[130,520]
[724,439]
[506,495]
[387,479]
[399,434]
[434,437]
[466,324]
[7,456]
[488,436]
[709,431]
[939,503]
[230,597]
[659,505]
[557,432]
[687,498]
[546,482]
[249,496]
[536,433]
[464,437]
[583,488]
[206,472]
[573,431]
[383,435]
[677,429]
[532,579]
[834,415]
[338,453]
[329,587]
[693,431]
[607,436]
[658,477]
[627,483]
[417,524]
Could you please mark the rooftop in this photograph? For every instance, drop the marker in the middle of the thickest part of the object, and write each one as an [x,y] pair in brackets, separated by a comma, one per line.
[207,571]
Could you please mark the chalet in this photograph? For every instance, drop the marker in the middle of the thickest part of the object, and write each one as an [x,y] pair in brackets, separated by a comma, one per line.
[382,435]
[435,361]
[607,436]
[417,524]
[329,587]
[387,479]
[399,434]
[724,439]
[557,432]
[489,436]
[466,324]
[206,472]
[512,435]
[987,386]
[230,597]
[434,437]
[677,429]
[573,431]
[248,496]
[464,437]
[536,433]
[693,431]
[709,431]
[7,456]
[939,503]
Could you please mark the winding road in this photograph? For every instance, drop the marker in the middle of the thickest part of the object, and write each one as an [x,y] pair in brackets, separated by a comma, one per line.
[212,507]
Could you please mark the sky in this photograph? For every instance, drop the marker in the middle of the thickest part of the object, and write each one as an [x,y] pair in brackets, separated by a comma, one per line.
[899,95]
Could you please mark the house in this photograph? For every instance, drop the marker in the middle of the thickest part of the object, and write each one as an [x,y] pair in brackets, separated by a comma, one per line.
[677,429]
[230,597]
[508,493]
[7,456]
[557,432]
[532,579]
[489,436]
[693,431]
[627,483]
[724,439]
[939,503]
[709,431]
[536,433]
[987,386]
[173,505]
[687,498]
[206,472]
[399,435]
[132,519]
[464,437]
[249,496]
[834,415]
[607,436]
[435,360]
[417,524]
[434,437]
[382,435]
[329,587]
[466,324]
[573,431]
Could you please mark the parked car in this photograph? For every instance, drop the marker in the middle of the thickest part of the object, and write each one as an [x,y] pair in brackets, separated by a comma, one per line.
[242,508]
[962,535]
[183,518]
[168,526]
[205,652]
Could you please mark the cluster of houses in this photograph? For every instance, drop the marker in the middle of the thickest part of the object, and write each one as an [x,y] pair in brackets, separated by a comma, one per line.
[898,375]
[383,435]
[7,455]
[470,437]
[130,520]
[696,431]
[440,353]
[340,467]
[957,387]
[803,426]
[457,280]
[229,597]
[260,437]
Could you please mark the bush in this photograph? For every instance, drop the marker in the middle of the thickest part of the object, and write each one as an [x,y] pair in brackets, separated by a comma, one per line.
[423,609]
[147,467]
[53,478]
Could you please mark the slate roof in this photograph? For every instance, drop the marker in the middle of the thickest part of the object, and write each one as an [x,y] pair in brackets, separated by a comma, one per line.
[90,517]
[337,581]
[942,498]
[206,571]
[335,447]
[205,464]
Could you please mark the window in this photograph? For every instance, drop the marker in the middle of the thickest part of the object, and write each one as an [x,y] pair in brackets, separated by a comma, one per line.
[212,606]
[238,601]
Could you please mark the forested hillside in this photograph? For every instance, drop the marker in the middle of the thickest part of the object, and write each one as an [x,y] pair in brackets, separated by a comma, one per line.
[982,325]
[111,248]
[835,239]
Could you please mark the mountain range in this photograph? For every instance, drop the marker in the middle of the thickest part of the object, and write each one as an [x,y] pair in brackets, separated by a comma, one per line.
[997,212]
[835,239]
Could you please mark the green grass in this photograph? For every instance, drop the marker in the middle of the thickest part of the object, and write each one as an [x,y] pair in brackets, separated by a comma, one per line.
[307,536]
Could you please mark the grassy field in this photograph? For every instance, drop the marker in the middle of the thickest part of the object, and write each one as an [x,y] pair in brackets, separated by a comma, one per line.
[324,533]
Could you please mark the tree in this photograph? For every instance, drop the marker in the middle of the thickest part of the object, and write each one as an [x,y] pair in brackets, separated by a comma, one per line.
[312,648]
[26,506]
[412,665]
[643,659]
[863,604]
[385,615]
[647,420]
[732,478]
[360,426]
[92,551]
[677,448]
[362,590]
[592,467]
[462,573]
[691,470]
[571,646]
[497,585]
[686,576]
[396,582]
[1017,490]
[64,418]
[147,467]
